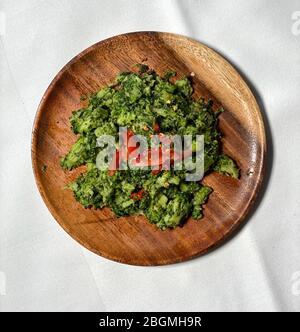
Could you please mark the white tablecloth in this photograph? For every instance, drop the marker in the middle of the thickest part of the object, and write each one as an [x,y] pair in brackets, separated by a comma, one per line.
[42,268]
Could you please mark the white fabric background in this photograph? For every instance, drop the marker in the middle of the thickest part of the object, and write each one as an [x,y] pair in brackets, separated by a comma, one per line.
[43,267]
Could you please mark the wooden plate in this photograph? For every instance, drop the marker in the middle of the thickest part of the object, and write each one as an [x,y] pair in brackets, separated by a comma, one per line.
[133,240]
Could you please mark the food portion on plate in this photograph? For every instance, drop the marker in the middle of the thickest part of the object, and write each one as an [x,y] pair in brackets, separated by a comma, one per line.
[148,106]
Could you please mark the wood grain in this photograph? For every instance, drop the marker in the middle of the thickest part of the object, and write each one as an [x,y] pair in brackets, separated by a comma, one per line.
[133,240]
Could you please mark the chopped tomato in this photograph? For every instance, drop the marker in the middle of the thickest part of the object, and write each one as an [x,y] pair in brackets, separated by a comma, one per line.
[130,133]
[156,171]
[126,153]
[111,172]
[137,196]
[154,157]
[156,127]
[158,156]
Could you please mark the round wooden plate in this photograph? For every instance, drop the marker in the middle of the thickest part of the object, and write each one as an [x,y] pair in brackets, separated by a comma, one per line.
[133,240]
